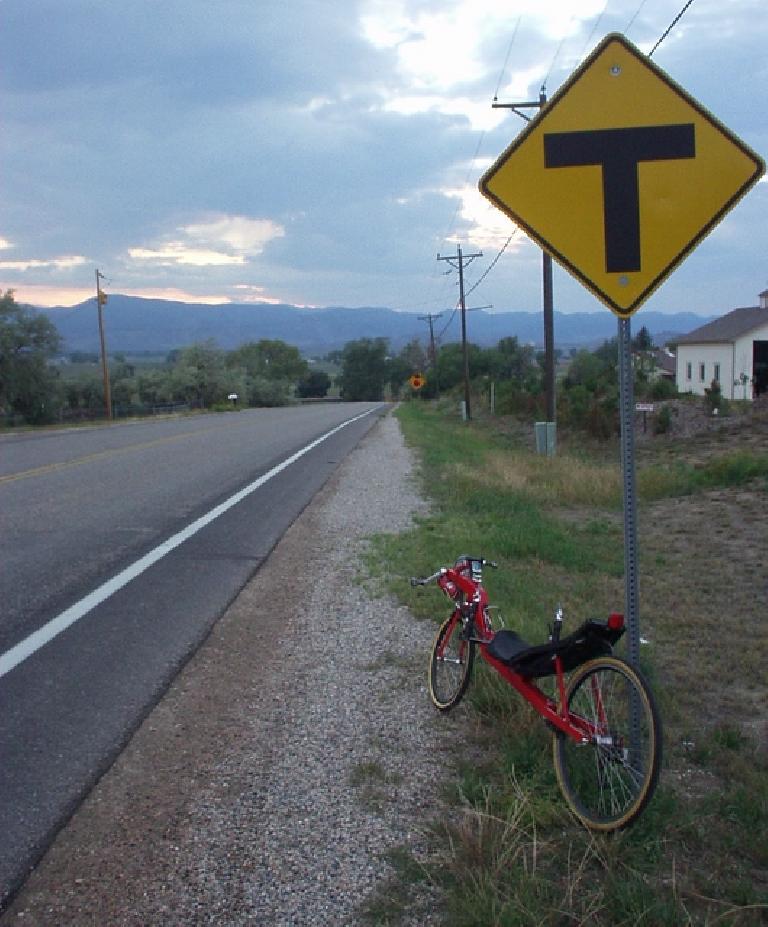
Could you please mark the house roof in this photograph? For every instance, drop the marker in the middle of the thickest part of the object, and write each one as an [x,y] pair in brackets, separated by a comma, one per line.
[728,328]
[665,361]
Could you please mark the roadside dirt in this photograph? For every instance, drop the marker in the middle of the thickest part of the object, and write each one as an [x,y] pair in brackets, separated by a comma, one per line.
[704,584]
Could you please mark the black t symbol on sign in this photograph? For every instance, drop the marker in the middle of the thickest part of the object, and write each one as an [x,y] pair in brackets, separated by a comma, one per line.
[618,152]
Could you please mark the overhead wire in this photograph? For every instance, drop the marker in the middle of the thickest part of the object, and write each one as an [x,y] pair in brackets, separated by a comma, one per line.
[506,59]
[493,263]
[637,13]
[588,43]
[670,27]
[476,154]
[556,55]
[445,327]
[480,141]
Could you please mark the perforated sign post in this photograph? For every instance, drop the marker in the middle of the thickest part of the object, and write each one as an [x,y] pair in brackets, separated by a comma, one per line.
[619,177]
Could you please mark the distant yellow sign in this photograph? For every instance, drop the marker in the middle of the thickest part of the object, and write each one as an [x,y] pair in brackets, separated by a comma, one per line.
[621,175]
[417,380]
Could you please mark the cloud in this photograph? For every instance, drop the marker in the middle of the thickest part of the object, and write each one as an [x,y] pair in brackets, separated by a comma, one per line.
[220,241]
[242,235]
[313,152]
[176,252]
[66,262]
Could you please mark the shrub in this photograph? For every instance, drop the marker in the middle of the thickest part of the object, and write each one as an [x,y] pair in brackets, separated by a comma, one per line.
[663,421]
[662,389]
[713,397]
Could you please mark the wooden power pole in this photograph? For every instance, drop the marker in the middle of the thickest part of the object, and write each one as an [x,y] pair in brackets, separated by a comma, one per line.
[549,325]
[461,260]
[101,299]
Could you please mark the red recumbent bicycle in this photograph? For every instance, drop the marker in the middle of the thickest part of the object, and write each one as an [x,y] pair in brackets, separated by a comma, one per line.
[607,732]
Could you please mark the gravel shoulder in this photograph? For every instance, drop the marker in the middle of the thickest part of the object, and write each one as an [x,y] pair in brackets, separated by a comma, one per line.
[294,750]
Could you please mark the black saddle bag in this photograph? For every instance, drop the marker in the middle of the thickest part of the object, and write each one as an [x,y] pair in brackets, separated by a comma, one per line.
[592,639]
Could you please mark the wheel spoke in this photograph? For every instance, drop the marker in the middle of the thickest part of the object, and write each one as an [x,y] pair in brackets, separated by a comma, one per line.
[450,665]
[608,781]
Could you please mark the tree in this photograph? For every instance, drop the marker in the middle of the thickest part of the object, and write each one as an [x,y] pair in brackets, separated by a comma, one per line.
[272,359]
[200,376]
[590,391]
[364,371]
[315,385]
[410,360]
[153,387]
[510,360]
[643,340]
[450,364]
[645,362]
[28,384]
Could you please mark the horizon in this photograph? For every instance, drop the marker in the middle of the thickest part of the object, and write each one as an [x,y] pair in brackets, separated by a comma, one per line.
[598,309]
[222,157]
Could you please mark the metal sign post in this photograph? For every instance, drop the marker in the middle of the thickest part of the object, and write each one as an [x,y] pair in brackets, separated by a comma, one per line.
[626,408]
[620,130]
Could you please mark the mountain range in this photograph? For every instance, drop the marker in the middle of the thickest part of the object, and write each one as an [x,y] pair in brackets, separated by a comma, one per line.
[137,325]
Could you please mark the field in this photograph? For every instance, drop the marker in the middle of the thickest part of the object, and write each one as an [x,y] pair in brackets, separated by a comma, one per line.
[508,853]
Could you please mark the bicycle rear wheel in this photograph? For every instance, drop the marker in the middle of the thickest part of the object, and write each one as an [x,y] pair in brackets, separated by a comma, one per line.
[608,781]
[450,664]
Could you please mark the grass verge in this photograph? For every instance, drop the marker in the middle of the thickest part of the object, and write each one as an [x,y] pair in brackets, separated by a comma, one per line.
[511,854]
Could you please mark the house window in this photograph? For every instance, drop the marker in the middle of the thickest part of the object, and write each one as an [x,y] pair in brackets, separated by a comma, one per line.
[688,373]
[702,373]
[717,372]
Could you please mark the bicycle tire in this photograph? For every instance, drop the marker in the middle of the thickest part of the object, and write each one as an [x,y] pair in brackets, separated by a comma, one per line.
[450,664]
[608,783]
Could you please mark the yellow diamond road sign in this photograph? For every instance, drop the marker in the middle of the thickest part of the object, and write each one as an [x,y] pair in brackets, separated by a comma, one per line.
[621,175]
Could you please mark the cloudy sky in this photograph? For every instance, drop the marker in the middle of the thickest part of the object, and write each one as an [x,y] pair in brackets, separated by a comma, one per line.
[322,152]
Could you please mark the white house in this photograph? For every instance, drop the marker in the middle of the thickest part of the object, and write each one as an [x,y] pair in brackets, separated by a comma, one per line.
[732,350]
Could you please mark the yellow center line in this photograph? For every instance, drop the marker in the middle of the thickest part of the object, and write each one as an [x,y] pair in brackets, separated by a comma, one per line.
[76,462]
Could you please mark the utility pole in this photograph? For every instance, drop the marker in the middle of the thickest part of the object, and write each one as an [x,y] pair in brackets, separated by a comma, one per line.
[430,317]
[461,259]
[549,323]
[101,298]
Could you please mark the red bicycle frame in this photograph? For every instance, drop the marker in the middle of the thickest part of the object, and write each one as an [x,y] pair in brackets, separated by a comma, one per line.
[579,729]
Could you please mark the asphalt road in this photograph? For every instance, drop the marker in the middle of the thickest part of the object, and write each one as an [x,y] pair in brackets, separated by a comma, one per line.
[119,549]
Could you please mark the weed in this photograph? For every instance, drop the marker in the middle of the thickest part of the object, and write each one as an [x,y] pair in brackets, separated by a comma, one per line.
[512,854]
[394,897]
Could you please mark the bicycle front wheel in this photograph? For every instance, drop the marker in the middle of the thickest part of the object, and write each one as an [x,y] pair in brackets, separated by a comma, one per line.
[450,664]
[608,780]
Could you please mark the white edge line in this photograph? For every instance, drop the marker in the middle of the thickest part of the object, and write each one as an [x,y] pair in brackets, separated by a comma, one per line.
[25,648]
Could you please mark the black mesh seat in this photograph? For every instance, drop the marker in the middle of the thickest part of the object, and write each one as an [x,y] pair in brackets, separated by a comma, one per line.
[592,639]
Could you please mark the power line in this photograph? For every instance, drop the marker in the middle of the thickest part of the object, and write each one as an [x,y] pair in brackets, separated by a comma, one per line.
[670,27]
[637,13]
[493,263]
[462,259]
[480,141]
[506,60]
[588,43]
[448,323]
[466,181]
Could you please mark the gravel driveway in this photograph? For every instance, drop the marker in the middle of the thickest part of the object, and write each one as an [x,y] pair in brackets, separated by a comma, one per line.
[292,752]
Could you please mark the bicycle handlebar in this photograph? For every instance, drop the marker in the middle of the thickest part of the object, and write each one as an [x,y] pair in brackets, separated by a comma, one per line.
[423,581]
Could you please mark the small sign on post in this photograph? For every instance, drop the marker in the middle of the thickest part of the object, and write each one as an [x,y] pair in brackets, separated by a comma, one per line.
[645,408]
